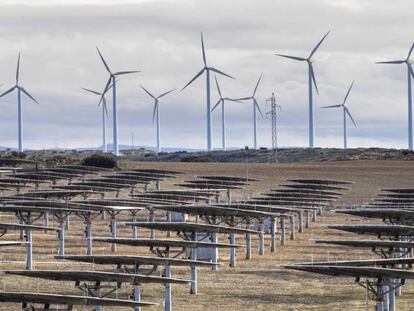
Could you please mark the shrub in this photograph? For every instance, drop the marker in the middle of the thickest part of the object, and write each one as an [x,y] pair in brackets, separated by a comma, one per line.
[58,159]
[195,159]
[17,155]
[100,160]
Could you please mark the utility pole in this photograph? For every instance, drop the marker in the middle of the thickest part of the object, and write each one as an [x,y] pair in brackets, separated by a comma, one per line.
[273,113]
[132,141]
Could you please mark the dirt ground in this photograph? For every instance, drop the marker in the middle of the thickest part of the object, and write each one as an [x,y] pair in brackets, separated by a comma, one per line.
[258,284]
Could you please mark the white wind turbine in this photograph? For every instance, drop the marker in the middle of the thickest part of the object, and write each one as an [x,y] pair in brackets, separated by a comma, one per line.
[345,112]
[112,79]
[311,79]
[156,114]
[410,74]
[207,69]
[223,118]
[255,106]
[20,89]
[104,115]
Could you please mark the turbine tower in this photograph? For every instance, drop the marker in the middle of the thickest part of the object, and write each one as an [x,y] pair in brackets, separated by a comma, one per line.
[223,118]
[311,79]
[112,79]
[255,106]
[410,74]
[345,112]
[156,114]
[20,90]
[104,116]
[207,69]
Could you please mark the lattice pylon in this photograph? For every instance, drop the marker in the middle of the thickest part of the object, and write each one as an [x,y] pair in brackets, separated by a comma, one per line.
[273,113]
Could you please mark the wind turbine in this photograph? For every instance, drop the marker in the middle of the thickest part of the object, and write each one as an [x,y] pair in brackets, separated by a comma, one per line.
[223,118]
[345,112]
[410,74]
[311,79]
[255,106]
[156,114]
[20,89]
[112,79]
[104,115]
[207,69]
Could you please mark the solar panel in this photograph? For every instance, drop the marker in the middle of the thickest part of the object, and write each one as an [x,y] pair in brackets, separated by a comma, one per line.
[208,186]
[164,243]
[135,260]
[387,262]
[318,181]
[357,272]
[189,227]
[212,210]
[9,226]
[93,276]
[369,243]
[379,212]
[228,178]
[395,230]
[27,297]
[11,243]
[313,187]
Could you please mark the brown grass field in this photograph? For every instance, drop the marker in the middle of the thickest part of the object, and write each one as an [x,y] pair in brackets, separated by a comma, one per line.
[259,284]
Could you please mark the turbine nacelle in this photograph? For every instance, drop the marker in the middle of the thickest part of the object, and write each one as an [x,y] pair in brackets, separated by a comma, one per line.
[343,105]
[253,98]
[222,99]
[17,86]
[309,60]
[156,99]
[205,68]
[112,75]
[406,61]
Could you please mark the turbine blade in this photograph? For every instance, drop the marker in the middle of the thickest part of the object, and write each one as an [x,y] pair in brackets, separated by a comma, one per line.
[107,87]
[166,93]
[243,98]
[110,85]
[257,106]
[146,91]
[347,93]
[317,46]
[30,96]
[257,85]
[155,110]
[332,106]
[313,78]
[292,57]
[411,50]
[232,99]
[8,91]
[392,62]
[18,69]
[216,105]
[220,72]
[91,91]
[349,114]
[125,72]
[203,50]
[103,60]
[195,77]
[218,87]
[105,108]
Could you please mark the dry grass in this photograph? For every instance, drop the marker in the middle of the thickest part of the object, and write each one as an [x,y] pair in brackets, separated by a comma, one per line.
[259,284]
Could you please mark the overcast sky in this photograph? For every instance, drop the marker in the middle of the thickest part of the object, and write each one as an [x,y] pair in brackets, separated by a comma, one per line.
[57,41]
